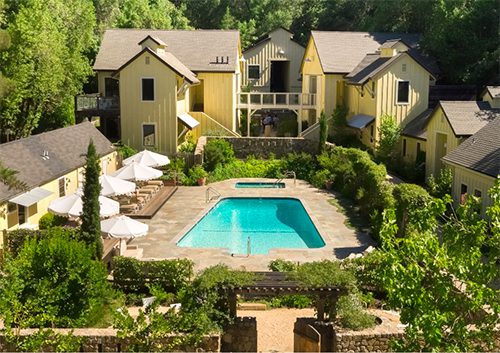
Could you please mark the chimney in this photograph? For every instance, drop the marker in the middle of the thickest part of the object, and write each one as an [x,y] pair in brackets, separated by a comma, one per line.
[387,52]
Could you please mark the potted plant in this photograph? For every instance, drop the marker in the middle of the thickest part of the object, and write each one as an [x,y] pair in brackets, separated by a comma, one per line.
[199,174]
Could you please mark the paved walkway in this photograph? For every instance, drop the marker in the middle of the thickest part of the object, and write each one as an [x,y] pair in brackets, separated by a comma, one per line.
[188,205]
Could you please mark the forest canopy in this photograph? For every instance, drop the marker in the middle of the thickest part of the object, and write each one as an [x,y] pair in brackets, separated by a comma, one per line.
[47,47]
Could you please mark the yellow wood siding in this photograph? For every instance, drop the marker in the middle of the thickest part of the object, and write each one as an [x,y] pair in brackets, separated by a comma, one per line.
[474,181]
[386,89]
[264,53]
[332,96]
[438,126]
[495,103]
[411,148]
[311,66]
[36,211]
[219,95]
[162,112]
[101,76]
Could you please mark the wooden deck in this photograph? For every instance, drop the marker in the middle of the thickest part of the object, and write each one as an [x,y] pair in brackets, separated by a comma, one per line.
[158,200]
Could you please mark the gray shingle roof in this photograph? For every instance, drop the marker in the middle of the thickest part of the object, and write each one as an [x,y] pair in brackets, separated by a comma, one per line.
[481,151]
[369,67]
[416,127]
[195,49]
[66,150]
[467,117]
[341,52]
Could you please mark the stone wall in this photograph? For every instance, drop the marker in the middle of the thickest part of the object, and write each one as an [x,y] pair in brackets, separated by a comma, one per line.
[105,340]
[265,146]
[365,342]
[241,336]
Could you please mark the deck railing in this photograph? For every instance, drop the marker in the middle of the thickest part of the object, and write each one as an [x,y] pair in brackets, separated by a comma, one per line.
[276,100]
[95,102]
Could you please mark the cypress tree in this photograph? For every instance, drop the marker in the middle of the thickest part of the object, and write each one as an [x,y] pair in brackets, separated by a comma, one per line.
[323,132]
[91,222]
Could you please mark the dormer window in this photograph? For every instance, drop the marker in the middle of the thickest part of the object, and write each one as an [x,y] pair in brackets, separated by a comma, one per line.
[402,92]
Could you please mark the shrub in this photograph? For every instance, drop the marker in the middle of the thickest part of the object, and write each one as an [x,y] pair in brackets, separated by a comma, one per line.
[50,220]
[217,152]
[352,314]
[302,164]
[125,151]
[390,132]
[441,186]
[251,168]
[410,201]
[53,282]
[291,301]
[322,274]
[196,173]
[17,238]
[320,178]
[134,276]
[189,144]
[280,265]
[366,269]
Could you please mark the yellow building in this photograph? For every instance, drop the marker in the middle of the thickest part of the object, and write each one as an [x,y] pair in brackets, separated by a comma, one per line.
[161,77]
[51,164]
[476,164]
[272,64]
[492,95]
[372,74]
[451,123]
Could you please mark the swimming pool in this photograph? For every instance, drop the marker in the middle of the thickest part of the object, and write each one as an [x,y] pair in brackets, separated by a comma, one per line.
[270,223]
[254,184]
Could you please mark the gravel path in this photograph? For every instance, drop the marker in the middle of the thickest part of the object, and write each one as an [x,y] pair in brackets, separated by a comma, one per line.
[275,327]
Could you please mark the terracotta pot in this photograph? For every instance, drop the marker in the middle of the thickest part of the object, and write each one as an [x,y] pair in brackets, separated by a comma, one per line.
[329,185]
[202,181]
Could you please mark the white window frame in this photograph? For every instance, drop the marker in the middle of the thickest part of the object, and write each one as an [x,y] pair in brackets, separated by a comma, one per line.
[248,72]
[397,92]
[156,134]
[154,89]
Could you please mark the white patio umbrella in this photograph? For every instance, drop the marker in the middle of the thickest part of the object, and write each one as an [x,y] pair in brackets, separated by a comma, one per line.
[112,186]
[148,158]
[71,206]
[137,172]
[123,227]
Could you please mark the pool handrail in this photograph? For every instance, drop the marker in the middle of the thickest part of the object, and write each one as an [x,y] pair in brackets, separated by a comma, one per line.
[287,173]
[216,195]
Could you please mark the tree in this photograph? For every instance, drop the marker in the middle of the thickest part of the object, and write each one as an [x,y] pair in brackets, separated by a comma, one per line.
[52,282]
[45,62]
[9,178]
[91,222]
[323,132]
[443,283]
[389,132]
[161,14]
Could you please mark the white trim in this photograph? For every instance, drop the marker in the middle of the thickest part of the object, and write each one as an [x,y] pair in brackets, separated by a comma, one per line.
[156,134]
[154,89]
[397,92]
[248,72]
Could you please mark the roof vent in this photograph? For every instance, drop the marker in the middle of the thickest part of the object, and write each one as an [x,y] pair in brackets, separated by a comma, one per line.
[45,155]
[221,60]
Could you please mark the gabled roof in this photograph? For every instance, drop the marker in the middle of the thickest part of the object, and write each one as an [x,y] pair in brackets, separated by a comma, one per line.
[467,117]
[481,151]
[168,59]
[66,149]
[267,37]
[154,39]
[416,127]
[341,52]
[373,64]
[197,50]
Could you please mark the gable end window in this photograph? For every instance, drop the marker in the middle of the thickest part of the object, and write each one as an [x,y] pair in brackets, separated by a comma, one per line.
[253,72]
[403,92]
[148,134]
[148,89]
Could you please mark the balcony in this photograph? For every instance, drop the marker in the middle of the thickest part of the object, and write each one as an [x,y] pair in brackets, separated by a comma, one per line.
[89,105]
[285,100]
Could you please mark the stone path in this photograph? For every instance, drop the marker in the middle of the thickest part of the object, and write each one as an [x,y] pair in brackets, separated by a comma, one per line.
[188,205]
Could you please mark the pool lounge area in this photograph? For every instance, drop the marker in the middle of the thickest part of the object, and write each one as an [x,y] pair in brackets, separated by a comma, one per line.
[188,205]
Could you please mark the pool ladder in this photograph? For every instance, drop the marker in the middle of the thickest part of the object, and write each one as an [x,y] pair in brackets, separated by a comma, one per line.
[215,194]
[287,173]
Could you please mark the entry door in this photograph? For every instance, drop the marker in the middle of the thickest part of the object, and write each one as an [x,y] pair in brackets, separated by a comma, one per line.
[279,76]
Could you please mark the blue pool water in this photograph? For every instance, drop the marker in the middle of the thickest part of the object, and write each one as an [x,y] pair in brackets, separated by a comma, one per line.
[253,184]
[269,222]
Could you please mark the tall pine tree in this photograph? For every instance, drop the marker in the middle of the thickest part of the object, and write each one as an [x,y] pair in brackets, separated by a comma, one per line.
[91,223]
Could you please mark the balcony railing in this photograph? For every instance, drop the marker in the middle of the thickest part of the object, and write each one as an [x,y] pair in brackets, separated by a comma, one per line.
[276,100]
[96,103]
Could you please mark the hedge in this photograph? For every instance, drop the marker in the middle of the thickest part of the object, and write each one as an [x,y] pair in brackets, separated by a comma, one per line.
[16,238]
[133,276]
[410,200]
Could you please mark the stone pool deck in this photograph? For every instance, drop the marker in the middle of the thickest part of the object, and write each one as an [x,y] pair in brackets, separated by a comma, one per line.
[188,205]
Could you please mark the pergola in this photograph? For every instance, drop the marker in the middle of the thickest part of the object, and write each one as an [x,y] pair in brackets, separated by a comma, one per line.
[277,283]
